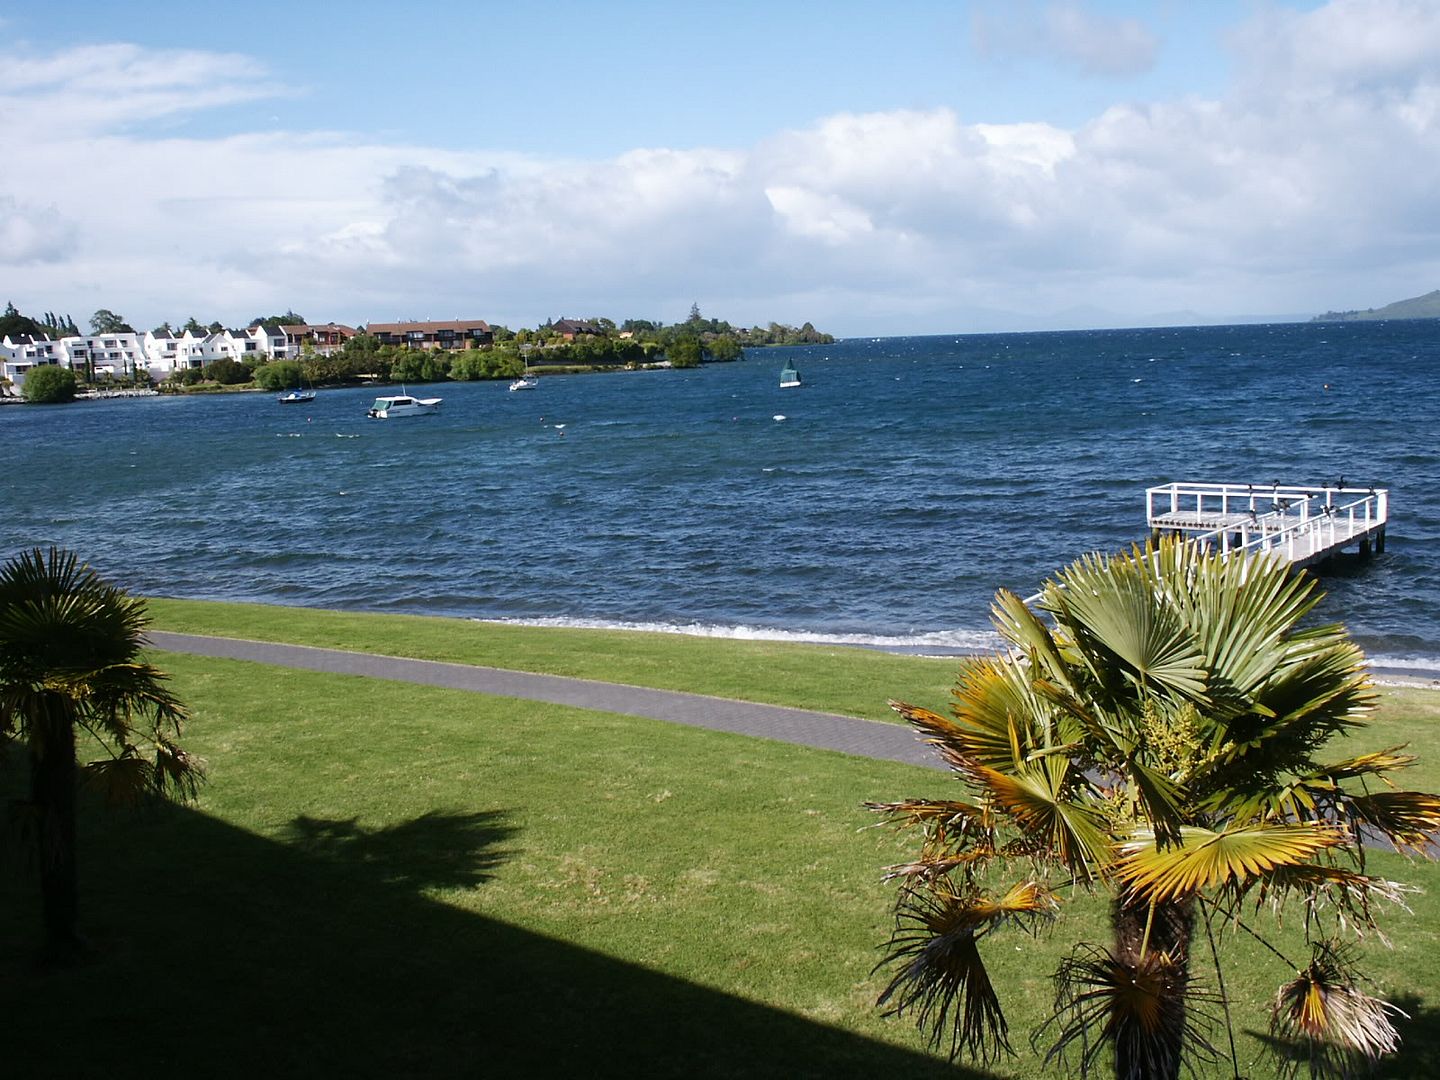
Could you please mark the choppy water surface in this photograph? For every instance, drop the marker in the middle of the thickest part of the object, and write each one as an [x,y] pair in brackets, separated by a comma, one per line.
[907,480]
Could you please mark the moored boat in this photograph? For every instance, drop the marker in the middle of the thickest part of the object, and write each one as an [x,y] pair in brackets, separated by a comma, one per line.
[401,405]
[296,397]
[789,376]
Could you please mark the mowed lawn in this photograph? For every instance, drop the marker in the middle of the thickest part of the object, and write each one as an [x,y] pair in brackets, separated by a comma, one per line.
[849,681]
[388,880]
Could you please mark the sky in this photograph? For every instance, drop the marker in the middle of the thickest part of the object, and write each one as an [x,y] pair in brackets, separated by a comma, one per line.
[912,167]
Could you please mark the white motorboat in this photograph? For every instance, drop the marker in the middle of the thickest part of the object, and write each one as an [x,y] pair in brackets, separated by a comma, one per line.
[525,382]
[296,397]
[393,408]
[789,376]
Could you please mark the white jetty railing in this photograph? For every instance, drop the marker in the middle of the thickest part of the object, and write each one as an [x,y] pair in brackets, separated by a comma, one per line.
[1304,525]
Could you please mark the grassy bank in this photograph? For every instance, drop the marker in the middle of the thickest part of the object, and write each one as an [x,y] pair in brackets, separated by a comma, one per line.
[383,879]
[852,682]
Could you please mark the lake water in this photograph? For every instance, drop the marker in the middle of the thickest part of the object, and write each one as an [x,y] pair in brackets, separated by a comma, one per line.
[908,479]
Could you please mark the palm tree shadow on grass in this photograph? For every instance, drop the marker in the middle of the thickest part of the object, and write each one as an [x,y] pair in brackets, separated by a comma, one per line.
[435,850]
[227,954]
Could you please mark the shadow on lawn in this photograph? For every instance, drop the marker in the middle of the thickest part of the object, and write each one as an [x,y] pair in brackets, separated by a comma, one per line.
[226,954]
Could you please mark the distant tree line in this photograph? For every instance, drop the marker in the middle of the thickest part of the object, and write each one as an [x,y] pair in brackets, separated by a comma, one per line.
[582,344]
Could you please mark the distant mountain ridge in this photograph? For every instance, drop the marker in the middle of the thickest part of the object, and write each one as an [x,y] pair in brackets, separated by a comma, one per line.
[1420,307]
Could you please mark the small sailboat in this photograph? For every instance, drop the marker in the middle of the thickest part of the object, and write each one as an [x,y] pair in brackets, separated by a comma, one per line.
[297,396]
[525,381]
[789,376]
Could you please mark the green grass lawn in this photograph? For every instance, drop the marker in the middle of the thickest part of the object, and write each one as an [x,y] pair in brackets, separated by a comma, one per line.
[385,880]
[850,681]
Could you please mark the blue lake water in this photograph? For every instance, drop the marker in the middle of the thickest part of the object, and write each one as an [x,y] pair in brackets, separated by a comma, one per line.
[909,478]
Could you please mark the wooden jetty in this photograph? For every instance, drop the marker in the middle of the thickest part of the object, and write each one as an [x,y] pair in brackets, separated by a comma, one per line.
[1304,525]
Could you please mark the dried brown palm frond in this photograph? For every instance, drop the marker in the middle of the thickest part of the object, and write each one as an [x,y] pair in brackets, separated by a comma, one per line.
[936,944]
[930,869]
[1336,1029]
[1353,897]
[1408,819]
[1148,1011]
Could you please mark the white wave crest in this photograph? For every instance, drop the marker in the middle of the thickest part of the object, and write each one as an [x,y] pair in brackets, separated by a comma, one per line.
[942,642]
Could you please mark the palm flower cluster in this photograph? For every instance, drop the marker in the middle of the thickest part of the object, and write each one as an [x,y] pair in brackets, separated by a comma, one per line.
[1157,732]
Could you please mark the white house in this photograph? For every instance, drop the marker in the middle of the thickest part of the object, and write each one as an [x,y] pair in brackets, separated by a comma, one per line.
[20,352]
[162,352]
[117,355]
[197,350]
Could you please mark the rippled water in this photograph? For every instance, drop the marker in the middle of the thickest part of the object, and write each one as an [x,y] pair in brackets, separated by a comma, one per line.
[907,480]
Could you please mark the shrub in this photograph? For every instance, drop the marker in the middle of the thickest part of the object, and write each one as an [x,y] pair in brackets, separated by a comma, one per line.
[227,372]
[281,375]
[49,383]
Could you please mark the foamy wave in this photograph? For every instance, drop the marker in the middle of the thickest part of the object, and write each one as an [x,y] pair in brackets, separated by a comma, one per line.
[1426,665]
[943,641]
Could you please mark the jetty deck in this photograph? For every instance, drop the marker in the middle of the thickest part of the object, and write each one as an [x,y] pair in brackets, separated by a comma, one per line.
[1304,525]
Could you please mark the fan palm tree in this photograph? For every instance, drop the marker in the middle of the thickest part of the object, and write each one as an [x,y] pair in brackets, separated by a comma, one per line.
[70,668]
[1157,732]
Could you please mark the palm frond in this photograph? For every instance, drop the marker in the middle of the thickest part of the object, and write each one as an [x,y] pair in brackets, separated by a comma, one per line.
[1408,819]
[954,742]
[935,944]
[1020,626]
[956,834]
[1146,1010]
[1162,799]
[1336,1029]
[949,813]
[1205,858]
[1118,607]
[1038,800]
[1241,611]
[1351,895]
[1377,764]
[122,781]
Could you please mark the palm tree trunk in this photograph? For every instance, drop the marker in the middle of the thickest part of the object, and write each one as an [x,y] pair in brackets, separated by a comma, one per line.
[1156,948]
[52,788]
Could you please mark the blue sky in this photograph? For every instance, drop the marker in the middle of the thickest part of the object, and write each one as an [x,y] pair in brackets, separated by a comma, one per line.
[908,167]
[605,77]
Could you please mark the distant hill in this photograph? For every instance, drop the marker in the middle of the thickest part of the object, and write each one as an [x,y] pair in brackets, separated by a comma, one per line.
[1421,307]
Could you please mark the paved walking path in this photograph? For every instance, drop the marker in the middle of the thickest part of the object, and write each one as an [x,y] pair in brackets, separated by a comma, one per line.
[826,731]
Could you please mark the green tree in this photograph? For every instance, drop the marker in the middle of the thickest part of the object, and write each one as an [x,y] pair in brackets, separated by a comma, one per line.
[227,372]
[408,366]
[685,352]
[290,318]
[725,348]
[1160,738]
[70,662]
[47,384]
[12,323]
[280,375]
[106,321]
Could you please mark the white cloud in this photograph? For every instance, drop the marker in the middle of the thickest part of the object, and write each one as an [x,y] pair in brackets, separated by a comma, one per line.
[1310,186]
[1065,34]
[100,88]
[30,234]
